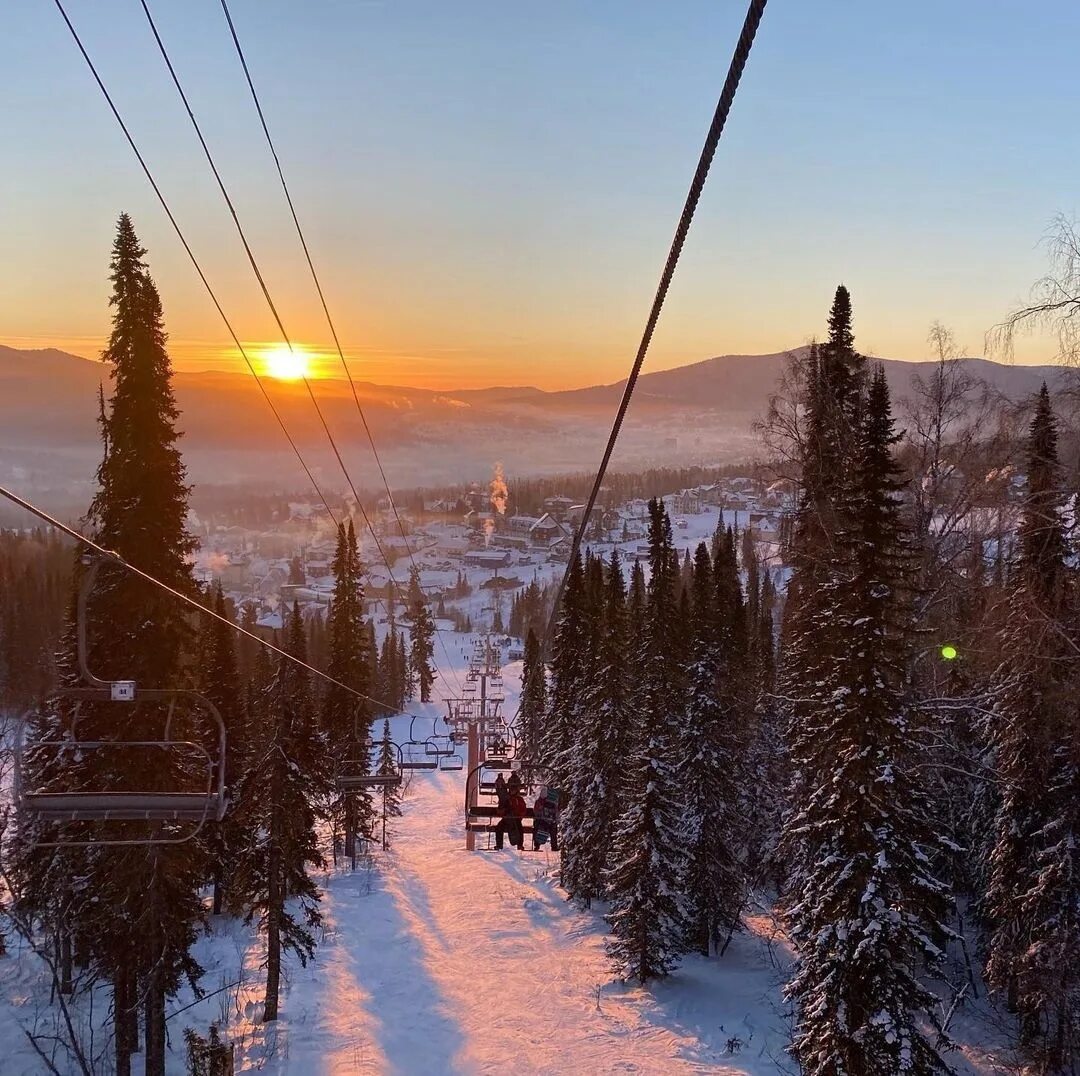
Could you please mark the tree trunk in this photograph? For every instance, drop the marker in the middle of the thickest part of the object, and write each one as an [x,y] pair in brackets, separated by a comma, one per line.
[82,953]
[155,1024]
[123,998]
[131,1014]
[219,888]
[66,986]
[350,829]
[274,901]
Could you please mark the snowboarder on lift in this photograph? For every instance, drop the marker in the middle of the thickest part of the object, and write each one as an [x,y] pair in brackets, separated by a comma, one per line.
[511,823]
[546,819]
[514,784]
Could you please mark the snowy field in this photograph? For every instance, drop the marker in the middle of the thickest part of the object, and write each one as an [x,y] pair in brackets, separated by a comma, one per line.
[435,960]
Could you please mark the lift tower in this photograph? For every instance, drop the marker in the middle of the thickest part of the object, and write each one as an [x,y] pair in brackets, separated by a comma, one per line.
[475,717]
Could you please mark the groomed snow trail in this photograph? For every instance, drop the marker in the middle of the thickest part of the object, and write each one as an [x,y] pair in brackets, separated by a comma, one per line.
[446,961]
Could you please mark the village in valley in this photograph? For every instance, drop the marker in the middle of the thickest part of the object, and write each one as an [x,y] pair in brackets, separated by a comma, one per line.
[473,552]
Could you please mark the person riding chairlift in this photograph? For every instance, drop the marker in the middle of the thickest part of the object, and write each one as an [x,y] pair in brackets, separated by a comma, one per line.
[502,794]
[546,819]
[511,822]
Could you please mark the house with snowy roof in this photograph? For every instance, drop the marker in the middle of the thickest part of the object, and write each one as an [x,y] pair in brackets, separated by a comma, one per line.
[546,530]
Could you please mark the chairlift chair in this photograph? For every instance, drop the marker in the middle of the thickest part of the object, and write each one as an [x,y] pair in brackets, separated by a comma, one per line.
[352,775]
[496,747]
[417,760]
[206,803]
[451,762]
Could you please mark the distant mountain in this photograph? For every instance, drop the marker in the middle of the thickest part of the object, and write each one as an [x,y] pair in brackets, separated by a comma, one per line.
[48,411]
[742,384]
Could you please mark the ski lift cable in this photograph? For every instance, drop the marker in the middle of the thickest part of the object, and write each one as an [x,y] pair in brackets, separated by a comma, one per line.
[209,289]
[712,140]
[266,291]
[325,306]
[253,262]
[116,558]
[191,256]
[247,247]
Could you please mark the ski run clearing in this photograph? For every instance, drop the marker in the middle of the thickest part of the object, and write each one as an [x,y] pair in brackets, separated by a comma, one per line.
[434,960]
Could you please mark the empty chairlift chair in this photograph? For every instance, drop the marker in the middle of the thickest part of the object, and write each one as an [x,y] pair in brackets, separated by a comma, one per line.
[353,775]
[53,784]
[415,757]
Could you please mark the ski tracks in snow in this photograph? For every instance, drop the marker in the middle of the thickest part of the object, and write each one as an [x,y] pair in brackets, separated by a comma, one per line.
[446,961]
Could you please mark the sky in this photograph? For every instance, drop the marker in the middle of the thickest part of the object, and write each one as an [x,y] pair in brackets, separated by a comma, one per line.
[490,189]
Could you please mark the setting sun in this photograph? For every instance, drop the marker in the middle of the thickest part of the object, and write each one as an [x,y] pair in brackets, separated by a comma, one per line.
[286,364]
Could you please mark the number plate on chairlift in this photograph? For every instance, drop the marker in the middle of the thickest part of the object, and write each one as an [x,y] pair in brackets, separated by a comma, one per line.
[122,691]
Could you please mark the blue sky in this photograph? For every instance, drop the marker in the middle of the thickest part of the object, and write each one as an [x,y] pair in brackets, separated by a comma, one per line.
[490,188]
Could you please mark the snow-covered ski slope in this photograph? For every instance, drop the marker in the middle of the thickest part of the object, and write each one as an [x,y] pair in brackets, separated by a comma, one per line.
[446,961]
[440,960]
[433,960]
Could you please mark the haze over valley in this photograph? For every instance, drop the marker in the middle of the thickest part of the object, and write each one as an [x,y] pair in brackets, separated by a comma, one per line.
[702,413]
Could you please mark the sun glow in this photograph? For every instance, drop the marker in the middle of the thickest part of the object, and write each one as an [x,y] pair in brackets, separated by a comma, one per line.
[286,364]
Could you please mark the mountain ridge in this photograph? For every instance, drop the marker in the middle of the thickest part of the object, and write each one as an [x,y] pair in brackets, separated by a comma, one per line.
[700,412]
[988,369]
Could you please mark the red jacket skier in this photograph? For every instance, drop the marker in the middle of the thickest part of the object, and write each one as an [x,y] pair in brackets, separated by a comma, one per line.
[511,823]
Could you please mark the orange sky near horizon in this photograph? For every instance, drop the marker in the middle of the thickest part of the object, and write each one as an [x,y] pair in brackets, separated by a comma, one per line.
[476,370]
[491,196]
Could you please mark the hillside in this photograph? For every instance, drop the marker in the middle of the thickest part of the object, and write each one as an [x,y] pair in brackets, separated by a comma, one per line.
[697,413]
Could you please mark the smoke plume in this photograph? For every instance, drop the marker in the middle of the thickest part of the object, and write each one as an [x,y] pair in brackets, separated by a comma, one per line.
[499,492]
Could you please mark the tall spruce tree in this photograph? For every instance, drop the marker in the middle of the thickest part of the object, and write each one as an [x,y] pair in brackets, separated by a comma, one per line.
[220,683]
[422,652]
[595,764]
[346,720]
[404,682]
[1034,890]
[533,697]
[834,376]
[569,673]
[277,802]
[810,632]
[138,908]
[387,764]
[711,764]
[866,915]
[647,915]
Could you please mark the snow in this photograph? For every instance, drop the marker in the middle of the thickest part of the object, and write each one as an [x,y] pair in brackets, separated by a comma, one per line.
[434,960]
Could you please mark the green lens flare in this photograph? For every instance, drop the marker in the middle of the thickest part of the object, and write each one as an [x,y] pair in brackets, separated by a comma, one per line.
[949,652]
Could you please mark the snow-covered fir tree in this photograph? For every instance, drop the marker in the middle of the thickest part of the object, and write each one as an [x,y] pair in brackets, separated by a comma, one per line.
[1033,899]
[346,719]
[711,767]
[388,765]
[648,915]
[533,698]
[136,910]
[569,676]
[422,652]
[594,769]
[866,915]
[277,797]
